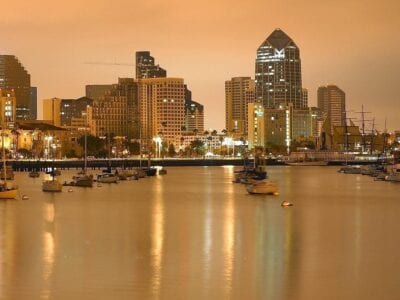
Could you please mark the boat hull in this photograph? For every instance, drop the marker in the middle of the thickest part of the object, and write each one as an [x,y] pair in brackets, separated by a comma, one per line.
[8,194]
[51,186]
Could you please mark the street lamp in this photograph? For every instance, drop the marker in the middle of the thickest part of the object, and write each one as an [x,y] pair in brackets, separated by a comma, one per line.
[158,141]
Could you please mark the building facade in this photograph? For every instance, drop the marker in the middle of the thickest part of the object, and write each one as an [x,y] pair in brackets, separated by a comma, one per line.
[97,91]
[162,109]
[52,111]
[13,76]
[146,67]
[73,111]
[239,92]
[8,103]
[332,102]
[278,72]
[33,103]
[256,125]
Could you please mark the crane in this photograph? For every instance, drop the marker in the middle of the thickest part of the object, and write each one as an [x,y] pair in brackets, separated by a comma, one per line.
[109,63]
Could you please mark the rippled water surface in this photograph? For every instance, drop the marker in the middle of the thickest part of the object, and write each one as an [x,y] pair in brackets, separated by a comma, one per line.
[192,234]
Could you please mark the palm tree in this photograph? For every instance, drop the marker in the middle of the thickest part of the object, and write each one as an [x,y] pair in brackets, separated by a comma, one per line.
[214,132]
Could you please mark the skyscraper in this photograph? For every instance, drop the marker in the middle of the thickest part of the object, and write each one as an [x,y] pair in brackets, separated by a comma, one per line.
[162,109]
[146,67]
[278,72]
[7,108]
[194,114]
[239,92]
[332,102]
[14,76]
[34,102]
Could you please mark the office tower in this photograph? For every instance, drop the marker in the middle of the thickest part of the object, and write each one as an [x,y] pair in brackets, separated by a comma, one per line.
[332,102]
[7,108]
[34,103]
[109,116]
[239,92]
[73,112]
[278,72]
[14,76]
[162,109]
[96,91]
[128,87]
[146,67]
[51,111]
[194,114]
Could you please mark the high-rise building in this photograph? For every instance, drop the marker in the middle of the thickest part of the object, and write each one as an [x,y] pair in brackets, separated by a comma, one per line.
[278,72]
[239,92]
[7,108]
[146,67]
[34,103]
[14,76]
[109,116]
[51,111]
[162,109]
[332,102]
[73,111]
[194,114]
[304,98]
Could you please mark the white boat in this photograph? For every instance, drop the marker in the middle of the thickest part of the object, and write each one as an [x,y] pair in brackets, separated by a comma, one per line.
[6,191]
[394,174]
[52,185]
[107,178]
[262,187]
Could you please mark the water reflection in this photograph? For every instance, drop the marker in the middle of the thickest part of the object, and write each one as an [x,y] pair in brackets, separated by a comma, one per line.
[157,236]
[48,248]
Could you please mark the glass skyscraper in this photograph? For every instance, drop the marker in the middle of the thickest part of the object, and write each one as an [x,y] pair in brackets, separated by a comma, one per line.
[278,72]
[146,67]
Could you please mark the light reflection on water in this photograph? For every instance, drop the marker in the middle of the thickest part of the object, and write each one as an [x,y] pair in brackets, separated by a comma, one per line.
[194,234]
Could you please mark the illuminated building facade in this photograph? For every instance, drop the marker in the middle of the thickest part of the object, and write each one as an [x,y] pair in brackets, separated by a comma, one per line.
[162,109]
[7,108]
[146,67]
[13,76]
[278,72]
[51,111]
[256,125]
[239,92]
[332,102]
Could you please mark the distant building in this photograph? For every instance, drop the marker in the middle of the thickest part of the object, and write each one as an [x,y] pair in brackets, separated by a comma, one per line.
[278,72]
[146,67]
[194,114]
[97,91]
[162,109]
[7,108]
[73,112]
[332,102]
[14,76]
[304,98]
[239,92]
[52,111]
[109,116]
[33,103]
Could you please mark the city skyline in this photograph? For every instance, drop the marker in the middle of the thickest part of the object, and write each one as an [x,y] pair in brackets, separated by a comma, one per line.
[333,47]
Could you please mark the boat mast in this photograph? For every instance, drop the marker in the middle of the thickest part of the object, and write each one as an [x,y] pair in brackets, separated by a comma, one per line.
[85,165]
[140,147]
[4,157]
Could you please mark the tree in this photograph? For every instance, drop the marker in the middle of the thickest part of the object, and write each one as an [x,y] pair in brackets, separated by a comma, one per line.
[197,146]
[95,145]
[133,147]
[25,153]
[171,150]
[214,132]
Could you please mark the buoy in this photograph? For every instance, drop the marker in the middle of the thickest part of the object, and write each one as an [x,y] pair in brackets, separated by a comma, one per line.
[286,204]
[70,190]
[25,197]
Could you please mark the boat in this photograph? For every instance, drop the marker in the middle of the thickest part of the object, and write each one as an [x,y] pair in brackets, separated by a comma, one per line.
[244,175]
[107,178]
[33,174]
[82,179]
[350,170]
[162,172]
[307,163]
[6,191]
[52,185]
[394,174]
[262,187]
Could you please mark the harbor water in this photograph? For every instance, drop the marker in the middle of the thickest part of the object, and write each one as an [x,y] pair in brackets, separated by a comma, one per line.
[193,234]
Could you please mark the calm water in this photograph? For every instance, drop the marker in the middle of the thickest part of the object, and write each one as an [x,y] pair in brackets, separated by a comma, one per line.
[192,234]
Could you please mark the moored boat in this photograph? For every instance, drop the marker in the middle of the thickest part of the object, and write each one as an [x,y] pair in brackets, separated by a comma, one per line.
[262,187]
[107,178]
[52,185]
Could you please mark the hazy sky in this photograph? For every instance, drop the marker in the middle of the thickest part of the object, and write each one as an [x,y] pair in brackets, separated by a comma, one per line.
[352,43]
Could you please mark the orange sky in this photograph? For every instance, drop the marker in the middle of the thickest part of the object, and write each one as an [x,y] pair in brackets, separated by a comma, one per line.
[354,44]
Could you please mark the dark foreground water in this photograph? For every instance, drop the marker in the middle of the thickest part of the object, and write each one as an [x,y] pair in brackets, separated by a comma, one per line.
[192,234]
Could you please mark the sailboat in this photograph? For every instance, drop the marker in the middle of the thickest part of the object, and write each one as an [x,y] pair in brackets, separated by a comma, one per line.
[52,185]
[107,176]
[6,192]
[82,179]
